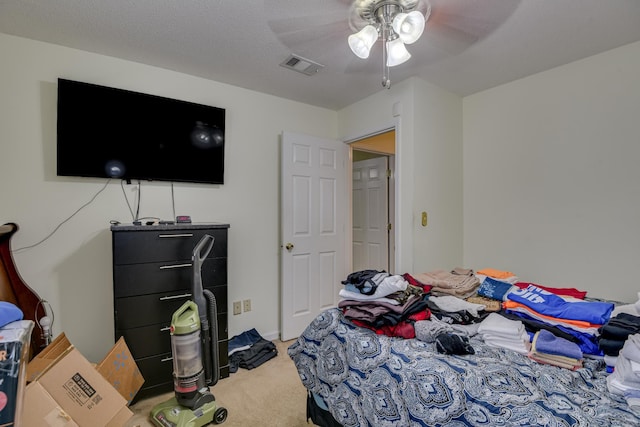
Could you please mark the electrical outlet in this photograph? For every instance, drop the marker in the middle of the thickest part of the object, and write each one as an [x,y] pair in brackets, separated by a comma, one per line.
[237,307]
[247,305]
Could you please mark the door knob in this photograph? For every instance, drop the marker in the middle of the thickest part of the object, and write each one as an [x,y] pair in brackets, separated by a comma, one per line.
[289,246]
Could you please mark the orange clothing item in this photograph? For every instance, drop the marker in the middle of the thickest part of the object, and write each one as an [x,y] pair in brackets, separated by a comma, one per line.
[496,274]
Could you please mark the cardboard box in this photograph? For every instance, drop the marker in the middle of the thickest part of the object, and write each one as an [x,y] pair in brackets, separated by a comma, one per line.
[120,369]
[48,357]
[79,391]
[66,390]
[46,412]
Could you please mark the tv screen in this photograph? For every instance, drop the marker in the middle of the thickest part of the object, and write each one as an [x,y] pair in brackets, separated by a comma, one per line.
[114,133]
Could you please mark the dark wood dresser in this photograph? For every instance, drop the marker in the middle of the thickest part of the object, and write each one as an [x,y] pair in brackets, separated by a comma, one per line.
[152,277]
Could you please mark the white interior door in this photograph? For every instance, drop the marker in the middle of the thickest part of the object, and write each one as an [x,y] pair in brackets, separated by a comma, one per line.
[370,206]
[313,227]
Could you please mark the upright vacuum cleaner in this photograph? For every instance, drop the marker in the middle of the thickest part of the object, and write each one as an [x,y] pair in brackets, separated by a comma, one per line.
[194,345]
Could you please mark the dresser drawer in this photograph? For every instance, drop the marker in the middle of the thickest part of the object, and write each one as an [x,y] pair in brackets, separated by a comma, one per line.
[223,358]
[148,340]
[157,277]
[156,369]
[145,310]
[164,245]
[222,334]
[135,312]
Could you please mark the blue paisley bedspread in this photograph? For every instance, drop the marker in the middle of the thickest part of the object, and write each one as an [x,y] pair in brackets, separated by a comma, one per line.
[375,380]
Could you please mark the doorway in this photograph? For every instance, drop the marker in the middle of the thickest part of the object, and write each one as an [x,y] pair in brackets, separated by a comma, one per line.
[373,202]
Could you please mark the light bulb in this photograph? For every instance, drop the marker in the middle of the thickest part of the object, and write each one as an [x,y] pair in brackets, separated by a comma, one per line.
[362,41]
[397,53]
[409,26]
[45,322]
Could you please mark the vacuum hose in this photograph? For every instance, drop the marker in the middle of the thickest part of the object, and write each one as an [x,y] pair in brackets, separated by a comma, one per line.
[207,311]
[212,349]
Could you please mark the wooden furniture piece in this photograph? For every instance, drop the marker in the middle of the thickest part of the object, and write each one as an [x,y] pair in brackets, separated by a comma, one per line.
[14,290]
[152,277]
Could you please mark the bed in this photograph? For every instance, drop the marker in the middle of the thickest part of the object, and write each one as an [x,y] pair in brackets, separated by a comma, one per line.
[366,379]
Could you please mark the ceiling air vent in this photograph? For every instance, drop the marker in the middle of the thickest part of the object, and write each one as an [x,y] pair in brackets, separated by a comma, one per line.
[301,65]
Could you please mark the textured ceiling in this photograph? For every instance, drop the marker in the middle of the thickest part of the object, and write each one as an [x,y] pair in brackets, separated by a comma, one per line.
[467,46]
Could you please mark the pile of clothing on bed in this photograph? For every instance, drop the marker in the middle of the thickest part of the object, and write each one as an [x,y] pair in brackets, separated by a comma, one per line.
[385,303]
[550,325]
[392,304]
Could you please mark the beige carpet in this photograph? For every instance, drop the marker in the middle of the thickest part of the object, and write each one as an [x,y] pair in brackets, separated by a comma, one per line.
[269,395]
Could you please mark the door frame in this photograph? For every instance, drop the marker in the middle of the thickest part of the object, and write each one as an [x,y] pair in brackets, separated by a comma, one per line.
[399,253]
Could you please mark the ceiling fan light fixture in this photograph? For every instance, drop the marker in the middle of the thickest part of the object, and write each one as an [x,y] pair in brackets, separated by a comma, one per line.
[395,22]
[362,41]
[397,53]
[409,26]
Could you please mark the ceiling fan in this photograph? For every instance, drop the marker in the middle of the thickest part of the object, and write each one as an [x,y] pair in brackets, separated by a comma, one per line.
[320,31]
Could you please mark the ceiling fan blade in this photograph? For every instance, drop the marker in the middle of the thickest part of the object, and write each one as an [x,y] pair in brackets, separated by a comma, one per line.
[467,13]
[456,25]
[281,26]
[317,31]
[316,35]
[465,22]
[284,16]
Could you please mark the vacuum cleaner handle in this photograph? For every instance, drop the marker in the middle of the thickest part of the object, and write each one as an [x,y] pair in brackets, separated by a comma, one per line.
[197,251]
[199,255]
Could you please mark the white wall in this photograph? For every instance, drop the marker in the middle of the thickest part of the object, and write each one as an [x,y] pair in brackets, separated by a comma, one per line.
[551,176]
[437,176]
[72,269]
[428,168]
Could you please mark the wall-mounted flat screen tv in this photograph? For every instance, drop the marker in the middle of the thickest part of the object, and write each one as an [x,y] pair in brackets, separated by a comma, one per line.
[114,133]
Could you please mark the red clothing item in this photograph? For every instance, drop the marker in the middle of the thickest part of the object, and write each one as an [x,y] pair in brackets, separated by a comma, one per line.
[567,292]
[412,281]
[403,329]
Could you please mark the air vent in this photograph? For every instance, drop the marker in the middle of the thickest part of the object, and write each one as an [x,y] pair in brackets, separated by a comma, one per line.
[301,65]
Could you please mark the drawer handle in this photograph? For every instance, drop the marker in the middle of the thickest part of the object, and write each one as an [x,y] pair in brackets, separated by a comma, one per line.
[175,235]
[166,328]
[166,267]
[175,297]
[167,359]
